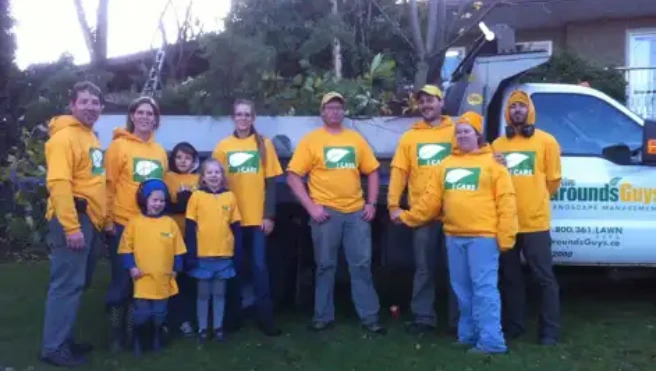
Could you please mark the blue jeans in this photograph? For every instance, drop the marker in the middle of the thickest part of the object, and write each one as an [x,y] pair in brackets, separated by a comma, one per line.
[254,242]
[350,230]
[120,286]
[474,267]
[146,310]
[70,275]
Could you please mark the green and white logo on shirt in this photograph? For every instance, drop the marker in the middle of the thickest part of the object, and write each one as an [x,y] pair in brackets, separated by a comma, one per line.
[145,169]
[339,157]
[461,178]
[97,161]
[520,163]
[431,154]
[244,161]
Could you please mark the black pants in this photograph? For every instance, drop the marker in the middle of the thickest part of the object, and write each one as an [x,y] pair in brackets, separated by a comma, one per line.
[536,247]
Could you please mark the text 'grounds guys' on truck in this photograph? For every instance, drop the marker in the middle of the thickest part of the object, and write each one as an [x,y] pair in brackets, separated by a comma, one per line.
[604,213]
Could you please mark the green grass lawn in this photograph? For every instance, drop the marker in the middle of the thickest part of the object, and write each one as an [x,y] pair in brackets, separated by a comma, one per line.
[606,327]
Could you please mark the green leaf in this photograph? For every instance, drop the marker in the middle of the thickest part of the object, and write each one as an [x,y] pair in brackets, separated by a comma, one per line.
[376,63]
[614,182]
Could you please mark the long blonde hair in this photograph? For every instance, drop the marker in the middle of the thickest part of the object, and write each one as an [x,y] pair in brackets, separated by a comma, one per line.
[203,168]
[259,139]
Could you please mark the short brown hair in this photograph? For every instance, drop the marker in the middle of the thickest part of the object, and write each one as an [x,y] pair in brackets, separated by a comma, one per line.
[87,86]
[132,108]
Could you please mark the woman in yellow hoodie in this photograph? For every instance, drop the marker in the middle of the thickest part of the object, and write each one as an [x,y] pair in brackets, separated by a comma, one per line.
[132,157]
[476,196]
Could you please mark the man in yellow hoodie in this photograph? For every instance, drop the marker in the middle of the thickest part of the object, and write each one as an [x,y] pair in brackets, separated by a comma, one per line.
[334,158]
[421,149]
[76,215]
[533,159]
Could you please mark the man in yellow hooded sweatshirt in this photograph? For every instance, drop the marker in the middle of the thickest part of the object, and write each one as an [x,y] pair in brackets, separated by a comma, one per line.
[533,158]
[476,196]
[76,215]
[421,149]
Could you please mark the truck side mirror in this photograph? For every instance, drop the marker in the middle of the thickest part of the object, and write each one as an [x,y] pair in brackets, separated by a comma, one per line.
[649,143]
[619,154]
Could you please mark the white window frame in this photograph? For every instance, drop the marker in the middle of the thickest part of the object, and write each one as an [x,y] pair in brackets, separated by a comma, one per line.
[536,45]
[630,34]
[641,79]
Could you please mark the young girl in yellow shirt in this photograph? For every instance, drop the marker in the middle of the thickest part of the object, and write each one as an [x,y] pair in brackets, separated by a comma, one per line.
[213,234]
[151,249]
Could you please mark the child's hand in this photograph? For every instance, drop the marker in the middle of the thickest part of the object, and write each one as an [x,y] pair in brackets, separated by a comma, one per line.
[135,273]
[174,274]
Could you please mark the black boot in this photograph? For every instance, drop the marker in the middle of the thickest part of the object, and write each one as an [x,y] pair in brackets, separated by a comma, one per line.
[157,337]
[141,339]
[116,316]
[128,324]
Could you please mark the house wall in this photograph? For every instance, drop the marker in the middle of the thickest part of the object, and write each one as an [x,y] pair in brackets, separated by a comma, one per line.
[603,41]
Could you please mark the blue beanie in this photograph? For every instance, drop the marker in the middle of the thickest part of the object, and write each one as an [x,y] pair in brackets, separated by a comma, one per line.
[146,188]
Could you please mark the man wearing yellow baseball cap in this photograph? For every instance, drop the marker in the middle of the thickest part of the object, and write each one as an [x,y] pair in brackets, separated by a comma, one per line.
[533,158]
[334,158]
[420,150]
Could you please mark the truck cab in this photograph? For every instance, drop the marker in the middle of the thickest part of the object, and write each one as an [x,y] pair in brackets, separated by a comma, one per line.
[605,211]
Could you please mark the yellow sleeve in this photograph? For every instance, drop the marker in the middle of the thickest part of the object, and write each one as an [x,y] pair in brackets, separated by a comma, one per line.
[165,162]
[367,160]
[301,162]
[59,181]
[169,179]
[126,246]
[398,181]
[192,212]
[553,171]
[429,206]
[236,215]
[507,224]
[272,167]
[113,168]
[219,155]
[179,247]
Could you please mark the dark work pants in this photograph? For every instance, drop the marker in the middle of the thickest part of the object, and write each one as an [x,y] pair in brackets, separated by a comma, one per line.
[536,247]
[182,307]
[120,287]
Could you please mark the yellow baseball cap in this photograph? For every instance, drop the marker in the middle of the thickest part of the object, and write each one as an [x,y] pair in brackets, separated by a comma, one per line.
[431,90]
[331,96]
[473,119]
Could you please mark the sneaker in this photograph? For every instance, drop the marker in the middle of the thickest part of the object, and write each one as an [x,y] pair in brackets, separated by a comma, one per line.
[186,330]
[318,326]
[419,328]
[63,358]
[202,336]
[375,328]
[219,336]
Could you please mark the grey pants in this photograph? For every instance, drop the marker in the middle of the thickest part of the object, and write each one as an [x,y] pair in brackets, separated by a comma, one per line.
[536,247]
[431,267]
[354,234]
[214,289]
[70,275]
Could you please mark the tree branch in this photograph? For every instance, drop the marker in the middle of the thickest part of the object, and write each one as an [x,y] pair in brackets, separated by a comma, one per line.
[431,31]
[416,30]
[86,30]
[396,27]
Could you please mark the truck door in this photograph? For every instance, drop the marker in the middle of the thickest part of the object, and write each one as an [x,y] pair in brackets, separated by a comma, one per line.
[604,213]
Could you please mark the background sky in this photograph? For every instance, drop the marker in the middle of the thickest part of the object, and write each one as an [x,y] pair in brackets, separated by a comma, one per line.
[45,29]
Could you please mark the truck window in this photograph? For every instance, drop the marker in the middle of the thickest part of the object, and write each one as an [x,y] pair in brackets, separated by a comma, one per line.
[583,124]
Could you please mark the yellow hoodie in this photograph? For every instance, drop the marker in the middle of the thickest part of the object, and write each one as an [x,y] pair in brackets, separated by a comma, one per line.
[130,161]
[420,150]
[534,164]
[476,196]
[75,169]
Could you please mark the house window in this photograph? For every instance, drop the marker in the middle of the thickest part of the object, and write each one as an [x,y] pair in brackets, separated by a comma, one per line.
[531,46]
[584,125]
[641,72]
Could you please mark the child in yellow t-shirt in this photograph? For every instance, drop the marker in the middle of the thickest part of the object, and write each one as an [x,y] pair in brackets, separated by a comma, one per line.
[212,232]
[151,249]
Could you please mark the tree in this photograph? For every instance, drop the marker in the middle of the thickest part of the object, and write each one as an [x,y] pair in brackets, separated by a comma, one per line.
[95,39]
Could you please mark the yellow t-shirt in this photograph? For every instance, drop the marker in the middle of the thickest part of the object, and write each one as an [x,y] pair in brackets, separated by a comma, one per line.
[334,162]
[246,174]
[154,242]
[129,161]
[173,182]
[420,150]
[476,196]
[213,214]
[532,163]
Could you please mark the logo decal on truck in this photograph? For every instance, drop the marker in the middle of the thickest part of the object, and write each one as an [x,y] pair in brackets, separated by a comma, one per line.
[462,179]
[612,196]
[244,162]
[431,154]
[339,157]
[521,163]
